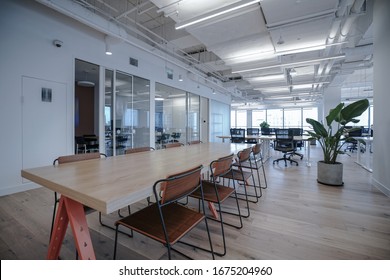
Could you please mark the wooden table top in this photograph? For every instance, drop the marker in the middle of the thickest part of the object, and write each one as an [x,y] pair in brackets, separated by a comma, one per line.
[109,184]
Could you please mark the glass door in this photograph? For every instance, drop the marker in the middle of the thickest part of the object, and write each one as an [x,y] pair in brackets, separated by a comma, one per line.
[108,112]
[193,109]
[127,112]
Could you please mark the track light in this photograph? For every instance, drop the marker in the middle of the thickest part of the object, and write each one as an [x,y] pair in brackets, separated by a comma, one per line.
[108,49]
[293,72]
[108,40]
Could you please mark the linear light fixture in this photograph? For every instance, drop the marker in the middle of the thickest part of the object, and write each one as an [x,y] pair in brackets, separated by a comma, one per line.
[215,13]
[291,63]
[267,78]
[308,49]
[287,87]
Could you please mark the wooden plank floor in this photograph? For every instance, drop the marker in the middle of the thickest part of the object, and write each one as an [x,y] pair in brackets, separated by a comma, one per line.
[296,218]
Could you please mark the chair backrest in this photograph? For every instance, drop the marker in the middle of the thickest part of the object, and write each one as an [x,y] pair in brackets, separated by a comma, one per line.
[266,131]
[284,140]
[173,145]
[283,134]
[77,157]
[176,135]
[237,135]
[194,142]
[253,131]
[178,185]
[165,136]
[356,131]
[244,155]
[79,140]
[221,166]
[256,149]
[138,150]
[296,131]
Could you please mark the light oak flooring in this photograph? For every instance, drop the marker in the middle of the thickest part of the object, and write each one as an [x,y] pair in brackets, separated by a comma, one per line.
[296,218]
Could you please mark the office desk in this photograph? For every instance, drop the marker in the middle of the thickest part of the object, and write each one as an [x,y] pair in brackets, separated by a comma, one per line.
[110,184]
[365,162]
[267,140]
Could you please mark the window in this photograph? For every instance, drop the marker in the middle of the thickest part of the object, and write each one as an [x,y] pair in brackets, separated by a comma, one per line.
[275,118]
[258,116]
[292,118]
[233,118]
[241,119]
[309,113]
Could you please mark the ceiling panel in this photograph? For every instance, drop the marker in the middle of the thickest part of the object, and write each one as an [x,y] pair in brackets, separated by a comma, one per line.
[268,33]
[281,12]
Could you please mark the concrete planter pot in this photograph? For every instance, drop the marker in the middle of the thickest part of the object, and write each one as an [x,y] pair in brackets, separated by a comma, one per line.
[330,174]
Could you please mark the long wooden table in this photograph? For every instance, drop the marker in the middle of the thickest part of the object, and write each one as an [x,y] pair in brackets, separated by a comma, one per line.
[110,184]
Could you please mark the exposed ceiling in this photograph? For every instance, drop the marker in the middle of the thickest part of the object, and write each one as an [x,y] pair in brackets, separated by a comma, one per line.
[269,52]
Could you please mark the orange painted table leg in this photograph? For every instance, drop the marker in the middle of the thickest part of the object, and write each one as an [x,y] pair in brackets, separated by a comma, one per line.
[70,211]
[213,210]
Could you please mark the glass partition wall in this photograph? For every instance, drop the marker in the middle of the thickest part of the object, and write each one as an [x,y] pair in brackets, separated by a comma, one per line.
[176,115]
[127,112]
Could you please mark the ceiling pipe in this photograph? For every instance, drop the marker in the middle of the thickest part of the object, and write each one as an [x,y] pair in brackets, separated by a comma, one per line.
[100,24]
[357,6]
[354,13]
[334,31]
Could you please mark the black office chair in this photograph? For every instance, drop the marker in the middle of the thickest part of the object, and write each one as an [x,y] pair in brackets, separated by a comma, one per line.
[284,143]
[254,132]
[237,135]
[80,145]
[265,131]
[175,136]
[297,143]
[353,144]
[92,143]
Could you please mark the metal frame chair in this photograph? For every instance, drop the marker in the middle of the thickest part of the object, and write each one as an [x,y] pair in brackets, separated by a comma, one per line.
[217,193]
[242,177]
[167,221]
[68,159]
[138,150]
[256,162]
[133,151]
[194,142]
[173,145]
[88,210]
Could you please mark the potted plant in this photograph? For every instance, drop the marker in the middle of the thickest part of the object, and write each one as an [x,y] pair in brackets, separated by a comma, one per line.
[330,171]
[264,124]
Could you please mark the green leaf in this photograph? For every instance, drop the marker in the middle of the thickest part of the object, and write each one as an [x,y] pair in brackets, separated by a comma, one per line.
[317,127]
[354,110]
[334,114]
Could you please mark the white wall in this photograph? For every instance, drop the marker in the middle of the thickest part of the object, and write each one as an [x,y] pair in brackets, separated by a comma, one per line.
[381,162]
[27,30]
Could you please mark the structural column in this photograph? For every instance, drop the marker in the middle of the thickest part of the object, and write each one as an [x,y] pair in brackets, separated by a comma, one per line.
[332,98]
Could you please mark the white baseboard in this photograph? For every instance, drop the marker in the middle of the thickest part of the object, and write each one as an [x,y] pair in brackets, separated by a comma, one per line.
[18,188]
[381,187]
